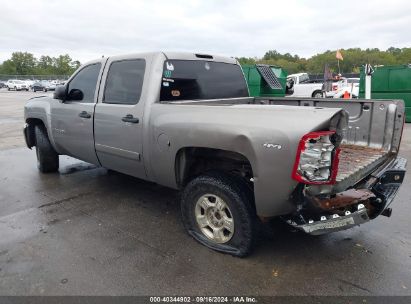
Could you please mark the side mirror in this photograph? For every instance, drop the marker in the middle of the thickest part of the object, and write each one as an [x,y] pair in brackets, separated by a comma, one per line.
[75,94]
[60,93]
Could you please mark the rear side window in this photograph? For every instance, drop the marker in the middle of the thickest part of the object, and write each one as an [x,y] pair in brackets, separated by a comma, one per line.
[86,81]
[199,79]
[124,82]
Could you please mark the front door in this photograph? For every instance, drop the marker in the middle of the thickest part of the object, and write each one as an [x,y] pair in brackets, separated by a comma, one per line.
[72,120]
[119,116]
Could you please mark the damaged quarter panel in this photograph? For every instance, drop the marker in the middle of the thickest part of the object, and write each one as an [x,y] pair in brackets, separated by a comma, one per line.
[267,136]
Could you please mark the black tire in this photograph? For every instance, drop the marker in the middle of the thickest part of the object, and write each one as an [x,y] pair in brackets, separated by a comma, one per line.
[47,157]
[8,88]
[235,193]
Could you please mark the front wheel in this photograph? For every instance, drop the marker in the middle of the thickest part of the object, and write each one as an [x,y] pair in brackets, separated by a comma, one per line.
[47,157]
[217,211]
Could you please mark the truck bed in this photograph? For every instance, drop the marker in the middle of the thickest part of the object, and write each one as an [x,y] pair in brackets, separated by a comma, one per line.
[372,136]
[358,161]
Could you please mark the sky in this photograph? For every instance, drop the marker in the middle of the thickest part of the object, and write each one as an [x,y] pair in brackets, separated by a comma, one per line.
[89,29]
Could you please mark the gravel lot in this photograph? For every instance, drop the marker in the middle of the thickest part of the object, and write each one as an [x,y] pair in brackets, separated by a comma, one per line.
[86,231]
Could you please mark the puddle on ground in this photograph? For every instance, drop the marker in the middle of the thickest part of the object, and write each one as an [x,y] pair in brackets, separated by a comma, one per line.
[76,168]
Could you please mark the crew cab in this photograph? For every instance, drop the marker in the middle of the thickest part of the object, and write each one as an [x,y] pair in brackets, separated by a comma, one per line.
[186,121]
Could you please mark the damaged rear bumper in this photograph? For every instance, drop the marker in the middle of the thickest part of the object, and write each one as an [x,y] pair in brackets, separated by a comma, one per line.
[371,199]
[335,224]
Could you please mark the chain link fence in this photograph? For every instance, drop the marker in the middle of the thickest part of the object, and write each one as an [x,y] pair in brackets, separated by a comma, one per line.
[5,77]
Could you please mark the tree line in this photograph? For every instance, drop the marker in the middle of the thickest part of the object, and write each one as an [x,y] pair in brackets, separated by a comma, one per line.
[354,58]
[23,63]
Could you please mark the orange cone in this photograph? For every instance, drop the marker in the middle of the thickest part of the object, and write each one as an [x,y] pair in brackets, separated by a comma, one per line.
[346,95]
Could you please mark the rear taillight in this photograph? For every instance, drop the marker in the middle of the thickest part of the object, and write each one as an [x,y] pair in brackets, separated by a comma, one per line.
[316,161]
[335,87]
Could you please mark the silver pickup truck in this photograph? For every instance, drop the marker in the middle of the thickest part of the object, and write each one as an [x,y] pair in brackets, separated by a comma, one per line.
[186,121]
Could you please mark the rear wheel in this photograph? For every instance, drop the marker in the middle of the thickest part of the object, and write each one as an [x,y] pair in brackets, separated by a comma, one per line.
[217,211]
[47,157]
[318,94]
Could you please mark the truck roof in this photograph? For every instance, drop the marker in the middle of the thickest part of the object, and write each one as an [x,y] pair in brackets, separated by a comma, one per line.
[178,55]
[199,56]
[296,75]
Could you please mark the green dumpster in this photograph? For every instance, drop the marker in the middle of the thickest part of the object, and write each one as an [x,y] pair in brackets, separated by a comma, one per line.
[390,82]
[265,80]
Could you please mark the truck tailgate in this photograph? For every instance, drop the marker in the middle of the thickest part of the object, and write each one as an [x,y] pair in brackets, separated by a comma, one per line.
[356,162]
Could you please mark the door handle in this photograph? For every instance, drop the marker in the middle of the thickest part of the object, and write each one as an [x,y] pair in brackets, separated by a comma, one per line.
[84,114]
[130,118]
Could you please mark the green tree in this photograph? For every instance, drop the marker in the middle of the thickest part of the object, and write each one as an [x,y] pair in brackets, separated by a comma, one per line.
[403,56]
[25,63]
[246,60]
[62,65]
[354,58]
[75,65]
[45,65]
[8,67]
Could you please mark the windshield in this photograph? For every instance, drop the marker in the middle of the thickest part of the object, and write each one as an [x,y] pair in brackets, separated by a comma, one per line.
[198,79]
[304,78]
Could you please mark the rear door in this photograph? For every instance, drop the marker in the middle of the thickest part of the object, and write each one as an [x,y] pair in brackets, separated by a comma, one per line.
[119,115]
[72,120]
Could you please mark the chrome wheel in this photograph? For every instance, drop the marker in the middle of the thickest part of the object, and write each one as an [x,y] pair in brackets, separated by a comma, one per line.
[214,218]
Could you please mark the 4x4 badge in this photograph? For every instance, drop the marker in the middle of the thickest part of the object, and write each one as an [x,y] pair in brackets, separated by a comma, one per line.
[270,145]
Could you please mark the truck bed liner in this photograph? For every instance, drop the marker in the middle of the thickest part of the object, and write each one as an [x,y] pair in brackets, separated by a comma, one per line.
[357,161]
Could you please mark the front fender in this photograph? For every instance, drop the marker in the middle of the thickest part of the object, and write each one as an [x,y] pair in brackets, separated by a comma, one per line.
[39,109]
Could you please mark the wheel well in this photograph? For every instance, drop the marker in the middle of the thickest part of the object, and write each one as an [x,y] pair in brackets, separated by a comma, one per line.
[315,92]
[192,162]
[29,133]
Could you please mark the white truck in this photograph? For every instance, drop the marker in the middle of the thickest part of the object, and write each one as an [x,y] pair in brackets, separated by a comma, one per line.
[300,85]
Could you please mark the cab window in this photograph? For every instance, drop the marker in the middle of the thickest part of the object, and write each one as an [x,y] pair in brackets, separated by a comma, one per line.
[198,79]
[86,81]
[124,82]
